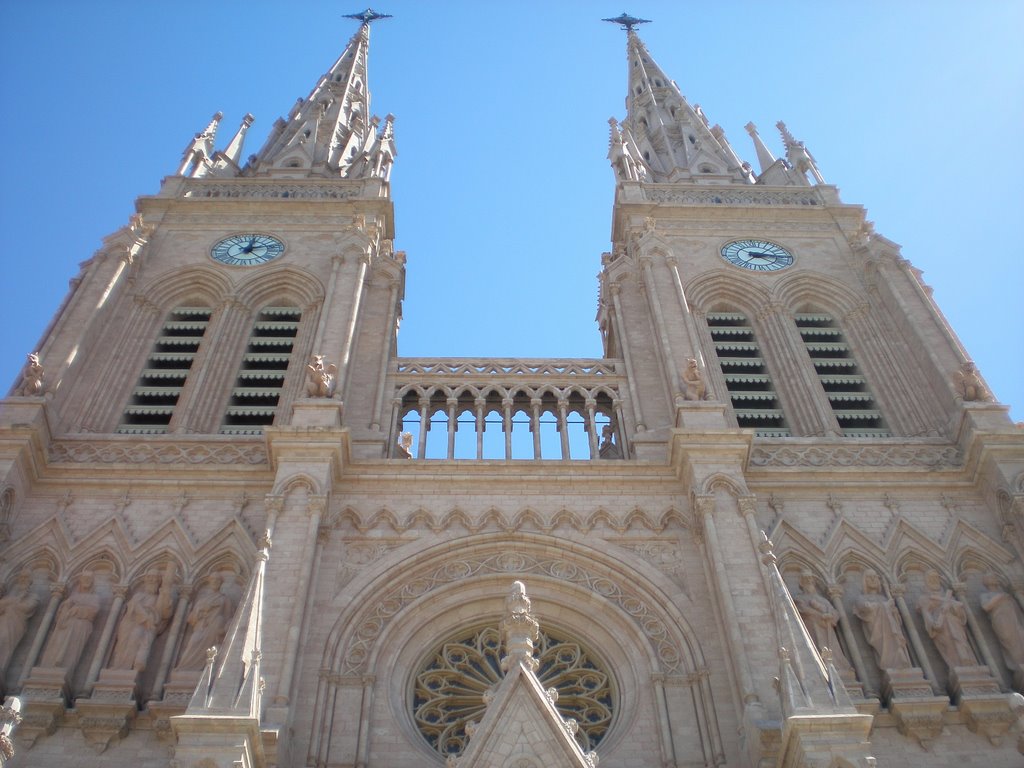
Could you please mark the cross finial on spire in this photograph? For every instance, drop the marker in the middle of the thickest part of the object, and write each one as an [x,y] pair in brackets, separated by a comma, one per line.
[627,22]
[367,16]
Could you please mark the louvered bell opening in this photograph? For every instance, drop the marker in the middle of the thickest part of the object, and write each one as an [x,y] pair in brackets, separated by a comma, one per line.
[154,398]
[754,401]
[261,377]
[845,387]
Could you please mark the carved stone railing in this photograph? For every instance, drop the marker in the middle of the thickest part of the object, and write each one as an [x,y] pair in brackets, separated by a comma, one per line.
[558,388]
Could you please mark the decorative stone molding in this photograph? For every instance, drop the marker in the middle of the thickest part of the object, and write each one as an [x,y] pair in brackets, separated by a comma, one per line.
[290,190]
[828,456]
[494,519]
[151,452]
[368,625]
[415,366]
[677,196]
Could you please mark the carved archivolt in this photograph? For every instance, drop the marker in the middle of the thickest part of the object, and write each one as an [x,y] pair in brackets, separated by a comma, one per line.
[363,630]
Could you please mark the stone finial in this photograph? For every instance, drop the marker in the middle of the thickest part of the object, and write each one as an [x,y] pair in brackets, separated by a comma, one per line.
[321,378]
[31,377]
[519,628]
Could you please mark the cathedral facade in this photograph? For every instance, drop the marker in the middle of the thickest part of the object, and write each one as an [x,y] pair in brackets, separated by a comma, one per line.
[779,522]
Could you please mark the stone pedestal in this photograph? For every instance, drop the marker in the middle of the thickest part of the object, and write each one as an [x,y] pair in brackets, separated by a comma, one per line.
[700,415]
[316,412]
[988,711]
[104,717]
[918,712]
[45,697]
[178,691]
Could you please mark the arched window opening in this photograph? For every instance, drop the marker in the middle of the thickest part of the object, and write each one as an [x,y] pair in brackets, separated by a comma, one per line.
[522,431]
[410,423]
[465,436]
[550,439]
[577,431]
[754,402]
[264,368]
[494,431]
[154,398]
[437,432]
[847,390]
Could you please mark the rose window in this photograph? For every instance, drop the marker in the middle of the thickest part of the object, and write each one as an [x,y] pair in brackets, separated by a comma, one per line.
[449,688]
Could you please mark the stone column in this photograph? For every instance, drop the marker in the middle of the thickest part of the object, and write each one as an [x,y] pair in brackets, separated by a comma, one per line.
[535,425]
[959,589]
[120,593]
[506,426]
[57,593]
[592,438]
[172,641]
[720,577]
[396,428]
[563,429]
[835,593]
[453,424]
[481,424]
[897,591]
[421,444]
[385,356]
[650,288]
[627,358]
[363,744]
[315,508]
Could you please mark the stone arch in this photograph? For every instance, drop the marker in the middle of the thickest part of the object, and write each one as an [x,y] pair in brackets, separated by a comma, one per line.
[298,482]
[104,560]
[283,283]
[40,559]
[736,291]
[197,284]
[384,617]
[798,289]
[351,640]
[719,481]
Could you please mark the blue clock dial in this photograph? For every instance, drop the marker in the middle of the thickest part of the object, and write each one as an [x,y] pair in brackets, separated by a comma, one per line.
[247,250]
[757,255]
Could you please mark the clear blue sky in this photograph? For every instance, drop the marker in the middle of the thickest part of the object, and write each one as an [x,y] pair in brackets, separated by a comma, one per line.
[502,190]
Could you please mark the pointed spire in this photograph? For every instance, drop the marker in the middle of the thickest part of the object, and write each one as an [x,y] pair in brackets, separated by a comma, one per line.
[331,133]
[798,156]
[200,150]
[765,158]
[672,140]
[234,150]
[230,683]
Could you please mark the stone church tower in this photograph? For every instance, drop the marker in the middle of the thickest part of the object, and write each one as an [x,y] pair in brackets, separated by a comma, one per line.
[778,523]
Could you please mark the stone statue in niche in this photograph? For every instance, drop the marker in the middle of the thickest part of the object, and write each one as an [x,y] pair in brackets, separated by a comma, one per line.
[144,618]
[882,624]
[608,448]
[404,449]
[945,619]
[208,620]
[73,625]
[1005,618]
[820,618]
[321,378]
[969,385]
[16,608]
[696,389]
[31,377]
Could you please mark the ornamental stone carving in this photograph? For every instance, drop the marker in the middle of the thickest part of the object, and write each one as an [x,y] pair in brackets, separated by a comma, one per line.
[882,624]
[31,384]
[73,625]
[945,620]
[969,385]
[1005,617]
[693,381]
[320,378]
[208,621]
[144,618]
[16,608]
[820,618]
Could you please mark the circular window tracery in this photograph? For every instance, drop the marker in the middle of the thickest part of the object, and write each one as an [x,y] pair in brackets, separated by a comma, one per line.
[448,690]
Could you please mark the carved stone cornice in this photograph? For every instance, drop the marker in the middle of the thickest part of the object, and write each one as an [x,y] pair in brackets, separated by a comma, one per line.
[99,451]
[829,456]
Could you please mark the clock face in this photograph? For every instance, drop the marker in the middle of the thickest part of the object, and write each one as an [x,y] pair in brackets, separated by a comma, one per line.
[758,255]
[247,250]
